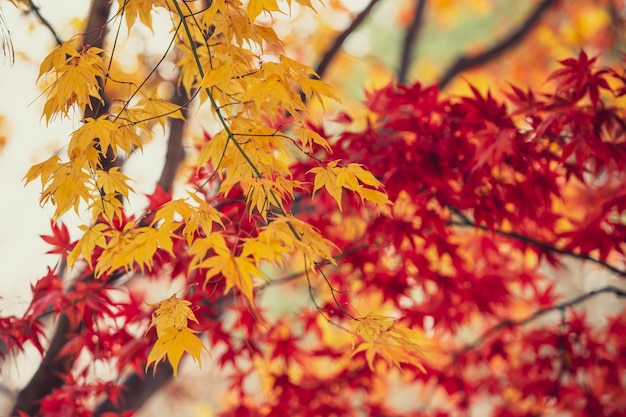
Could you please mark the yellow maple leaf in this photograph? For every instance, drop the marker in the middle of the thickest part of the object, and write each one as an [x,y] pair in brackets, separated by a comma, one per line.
[172,344]
[93,236]
[58,57]
[238,271]
[43,170]
[157,110]
[67,188]
[382,336]
[295,233]
[133,246]
[269,245]
[171,312]
[255,7]
[84,137]
[76,79]
[113,181]
[352,177]
[308,137]
[141,8]
[327,178]
[171,319]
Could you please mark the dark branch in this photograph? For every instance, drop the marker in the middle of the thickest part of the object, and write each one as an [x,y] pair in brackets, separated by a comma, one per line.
[137,389]
[5,39]
[35,9]
[175,152]
[466,222]
[409,41]
[48,375]
[505,324]
[339,40]
[464,63]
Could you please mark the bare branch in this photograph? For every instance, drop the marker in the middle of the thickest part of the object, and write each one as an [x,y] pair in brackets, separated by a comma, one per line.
[175,153]
[409,41]
[505,324]
[35,9]
[464,63]
[137,390]
[49,374]
[339,40]
[466,222]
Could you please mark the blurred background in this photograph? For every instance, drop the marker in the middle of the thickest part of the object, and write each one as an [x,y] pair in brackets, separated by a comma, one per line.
[382,49]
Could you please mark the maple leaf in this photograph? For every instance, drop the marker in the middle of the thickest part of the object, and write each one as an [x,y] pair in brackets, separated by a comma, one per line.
[352,177]
[92,237]
[309,137]
[171,319]
[171,312]
[113,181]
[133,246]
[238,271]
[172,344]
[141,8]
[43,170]
[157,109]
[255,7]
[383,336]
[295,233]
[59,240]
[77,79]
[85,137]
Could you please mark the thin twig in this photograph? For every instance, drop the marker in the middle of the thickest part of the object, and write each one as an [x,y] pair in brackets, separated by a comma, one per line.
[409,41]
[508,323]
[339,40]
[35,9]
[467,222]
[464,63]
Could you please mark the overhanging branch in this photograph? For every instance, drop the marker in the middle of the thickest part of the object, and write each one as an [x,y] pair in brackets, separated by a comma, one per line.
[464,63]
[409,41]
[467,222]
[339,40]
[609,289]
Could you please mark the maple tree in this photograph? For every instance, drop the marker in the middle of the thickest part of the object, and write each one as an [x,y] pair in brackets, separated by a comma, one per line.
[430,233]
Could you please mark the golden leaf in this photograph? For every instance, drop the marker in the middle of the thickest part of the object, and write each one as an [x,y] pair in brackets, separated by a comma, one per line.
[171,312]
[383,336]
[238,271]
[172,344]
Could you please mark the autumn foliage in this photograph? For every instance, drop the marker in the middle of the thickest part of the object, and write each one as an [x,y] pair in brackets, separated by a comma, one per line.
[426,234]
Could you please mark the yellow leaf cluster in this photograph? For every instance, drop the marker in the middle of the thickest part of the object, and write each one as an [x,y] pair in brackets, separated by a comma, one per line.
[353,177]
[75,78]
[383,336]
[171,319]
[134,246]
[214,256]
[194,220]
[63,184]
[297,234]
[141,8]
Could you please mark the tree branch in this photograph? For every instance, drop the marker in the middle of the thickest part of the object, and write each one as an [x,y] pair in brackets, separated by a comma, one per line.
[464,63]
[48,375]
[137,390]
[175,153]
[466,222]
[339,40]
[409,41]
[610,289]
[35,9]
